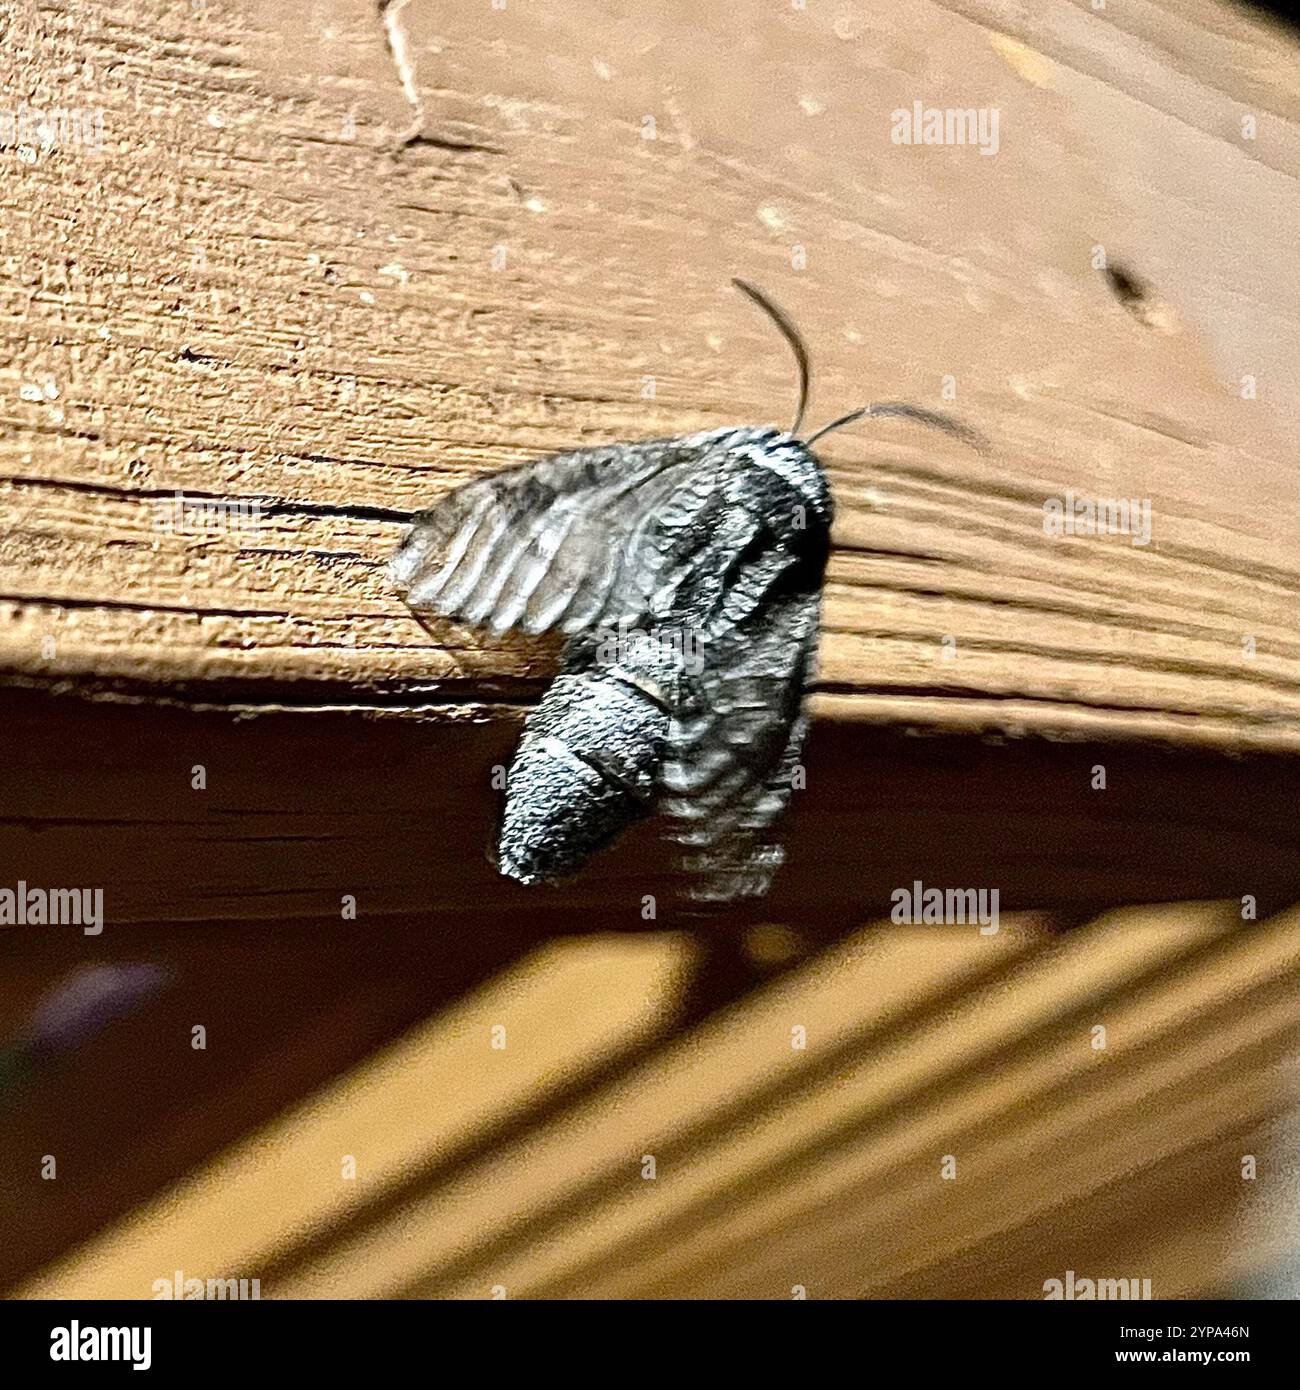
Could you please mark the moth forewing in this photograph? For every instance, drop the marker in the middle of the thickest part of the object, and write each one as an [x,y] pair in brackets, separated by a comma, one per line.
[686,574]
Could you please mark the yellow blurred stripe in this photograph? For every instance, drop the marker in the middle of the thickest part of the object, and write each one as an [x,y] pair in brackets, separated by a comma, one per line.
[880,974]
[1014,1125]
[567,1008]
[888,1080]
[888,1226]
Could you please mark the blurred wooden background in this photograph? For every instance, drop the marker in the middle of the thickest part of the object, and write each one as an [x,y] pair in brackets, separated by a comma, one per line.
[330,261]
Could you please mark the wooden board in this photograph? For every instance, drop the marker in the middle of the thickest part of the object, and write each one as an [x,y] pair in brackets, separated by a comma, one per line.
[328,263]
[303,810]
[331,268]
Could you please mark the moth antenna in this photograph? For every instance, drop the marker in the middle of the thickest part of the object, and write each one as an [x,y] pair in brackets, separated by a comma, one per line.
[910,412]
[791,334]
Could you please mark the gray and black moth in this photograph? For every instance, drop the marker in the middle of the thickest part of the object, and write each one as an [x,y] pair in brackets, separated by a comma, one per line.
[686,575]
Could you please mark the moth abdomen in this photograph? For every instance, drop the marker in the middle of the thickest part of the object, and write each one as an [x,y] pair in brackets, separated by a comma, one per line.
[586,767]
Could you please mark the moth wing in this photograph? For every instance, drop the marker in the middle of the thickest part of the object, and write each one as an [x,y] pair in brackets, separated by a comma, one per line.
[732,750]
[568,542]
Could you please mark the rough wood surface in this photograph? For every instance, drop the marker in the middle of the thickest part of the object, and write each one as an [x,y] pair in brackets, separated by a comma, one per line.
[334,259]
[332,263]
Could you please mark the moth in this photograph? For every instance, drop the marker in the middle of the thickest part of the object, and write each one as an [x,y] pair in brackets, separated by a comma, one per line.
[686,575]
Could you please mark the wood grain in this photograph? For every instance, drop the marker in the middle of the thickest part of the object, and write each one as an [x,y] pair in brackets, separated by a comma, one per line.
[305,275]
[303,809]
[332,261]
